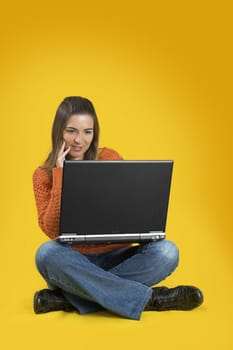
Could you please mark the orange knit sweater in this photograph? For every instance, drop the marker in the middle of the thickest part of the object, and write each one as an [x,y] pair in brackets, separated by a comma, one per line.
[48,200]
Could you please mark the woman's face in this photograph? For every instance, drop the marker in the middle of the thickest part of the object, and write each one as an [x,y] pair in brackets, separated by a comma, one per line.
[78,134]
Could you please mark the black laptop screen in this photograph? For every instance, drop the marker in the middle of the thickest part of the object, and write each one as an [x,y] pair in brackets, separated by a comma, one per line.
[115,196]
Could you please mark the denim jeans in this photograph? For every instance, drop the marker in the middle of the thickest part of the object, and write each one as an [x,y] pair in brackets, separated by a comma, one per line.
[118,281]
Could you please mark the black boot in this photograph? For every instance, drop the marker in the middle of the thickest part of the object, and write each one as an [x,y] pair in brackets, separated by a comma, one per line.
[47,300]
[178,298]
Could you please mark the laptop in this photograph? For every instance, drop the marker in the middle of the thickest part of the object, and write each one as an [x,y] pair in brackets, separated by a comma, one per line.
[114,201]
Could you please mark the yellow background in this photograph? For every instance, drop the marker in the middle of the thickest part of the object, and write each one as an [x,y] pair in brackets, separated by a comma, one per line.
[160,77]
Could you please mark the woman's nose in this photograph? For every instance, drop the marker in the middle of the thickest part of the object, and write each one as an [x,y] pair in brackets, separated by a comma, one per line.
[78,138]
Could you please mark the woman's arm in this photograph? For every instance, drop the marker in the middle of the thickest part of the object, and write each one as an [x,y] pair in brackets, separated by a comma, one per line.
[48,194]
[48,199]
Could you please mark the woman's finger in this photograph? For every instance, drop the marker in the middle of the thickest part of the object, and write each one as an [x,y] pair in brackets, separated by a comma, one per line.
[66,151]
[62,148]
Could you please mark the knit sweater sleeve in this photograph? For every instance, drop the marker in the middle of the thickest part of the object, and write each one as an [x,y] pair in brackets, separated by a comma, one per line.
[108,154]
[48,199]
[48,202]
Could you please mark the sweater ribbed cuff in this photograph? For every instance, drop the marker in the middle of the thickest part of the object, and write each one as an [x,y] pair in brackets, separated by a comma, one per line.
[57,177]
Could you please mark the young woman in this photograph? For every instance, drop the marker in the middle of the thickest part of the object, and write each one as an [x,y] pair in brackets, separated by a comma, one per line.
[115,277]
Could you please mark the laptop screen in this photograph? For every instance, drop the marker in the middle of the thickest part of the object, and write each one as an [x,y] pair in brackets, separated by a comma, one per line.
[102,197]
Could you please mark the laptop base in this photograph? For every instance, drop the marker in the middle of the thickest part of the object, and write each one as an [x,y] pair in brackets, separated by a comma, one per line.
[73,238]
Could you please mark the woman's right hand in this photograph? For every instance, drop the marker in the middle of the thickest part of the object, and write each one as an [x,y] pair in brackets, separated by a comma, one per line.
[61,155]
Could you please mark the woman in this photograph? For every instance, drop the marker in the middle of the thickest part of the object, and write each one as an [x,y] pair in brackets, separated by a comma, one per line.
[116,277]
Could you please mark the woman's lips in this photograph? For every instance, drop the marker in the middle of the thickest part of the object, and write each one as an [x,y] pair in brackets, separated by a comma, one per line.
[76,148]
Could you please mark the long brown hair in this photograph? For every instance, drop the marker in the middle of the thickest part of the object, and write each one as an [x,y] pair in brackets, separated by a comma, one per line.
[70,106]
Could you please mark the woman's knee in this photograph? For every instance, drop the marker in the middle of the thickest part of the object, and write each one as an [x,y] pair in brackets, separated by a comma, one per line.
[44,252]
[165,250]
[171,252]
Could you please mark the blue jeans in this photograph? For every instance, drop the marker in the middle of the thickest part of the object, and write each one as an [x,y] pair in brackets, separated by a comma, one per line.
[118,281]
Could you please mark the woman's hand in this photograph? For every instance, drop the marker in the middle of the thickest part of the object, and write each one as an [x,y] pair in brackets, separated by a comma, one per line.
[61,155]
